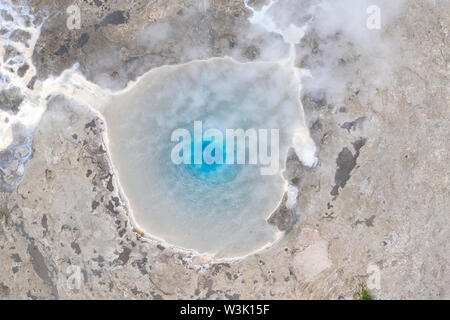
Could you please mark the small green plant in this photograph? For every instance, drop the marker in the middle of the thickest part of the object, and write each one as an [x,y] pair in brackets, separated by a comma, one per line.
[364,295]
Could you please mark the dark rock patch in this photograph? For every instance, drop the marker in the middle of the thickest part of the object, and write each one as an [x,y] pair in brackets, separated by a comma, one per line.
[16,258]
[90,124]
[4,290]
[10,100]
[346,162]
[94,205]
[22,70]
[63,49]
[284,219]
[124,256]
[44,224]
[353,124]
[76,247]
[82,40]
[252,52]
[40,267]
[30,84]
[10,52]
[368,222]
[5,15]
[115,18]
[20,36]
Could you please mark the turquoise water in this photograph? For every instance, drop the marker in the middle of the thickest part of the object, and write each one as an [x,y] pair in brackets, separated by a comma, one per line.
[211,172]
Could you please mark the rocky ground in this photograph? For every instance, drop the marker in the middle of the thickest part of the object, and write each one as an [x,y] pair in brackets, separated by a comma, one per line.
[376,206]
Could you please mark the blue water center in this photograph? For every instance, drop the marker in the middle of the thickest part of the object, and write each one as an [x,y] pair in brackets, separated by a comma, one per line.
[215,170]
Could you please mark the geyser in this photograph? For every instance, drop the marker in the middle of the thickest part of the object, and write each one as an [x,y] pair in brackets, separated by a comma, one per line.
[216,209]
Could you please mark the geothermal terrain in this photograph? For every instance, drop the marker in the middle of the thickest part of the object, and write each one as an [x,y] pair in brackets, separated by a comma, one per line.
[372,215]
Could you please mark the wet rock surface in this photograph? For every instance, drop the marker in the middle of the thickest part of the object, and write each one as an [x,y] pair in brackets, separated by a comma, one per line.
[377,199]
[10,100]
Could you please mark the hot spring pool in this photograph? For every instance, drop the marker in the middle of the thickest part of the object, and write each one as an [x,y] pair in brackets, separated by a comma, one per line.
[216,209]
